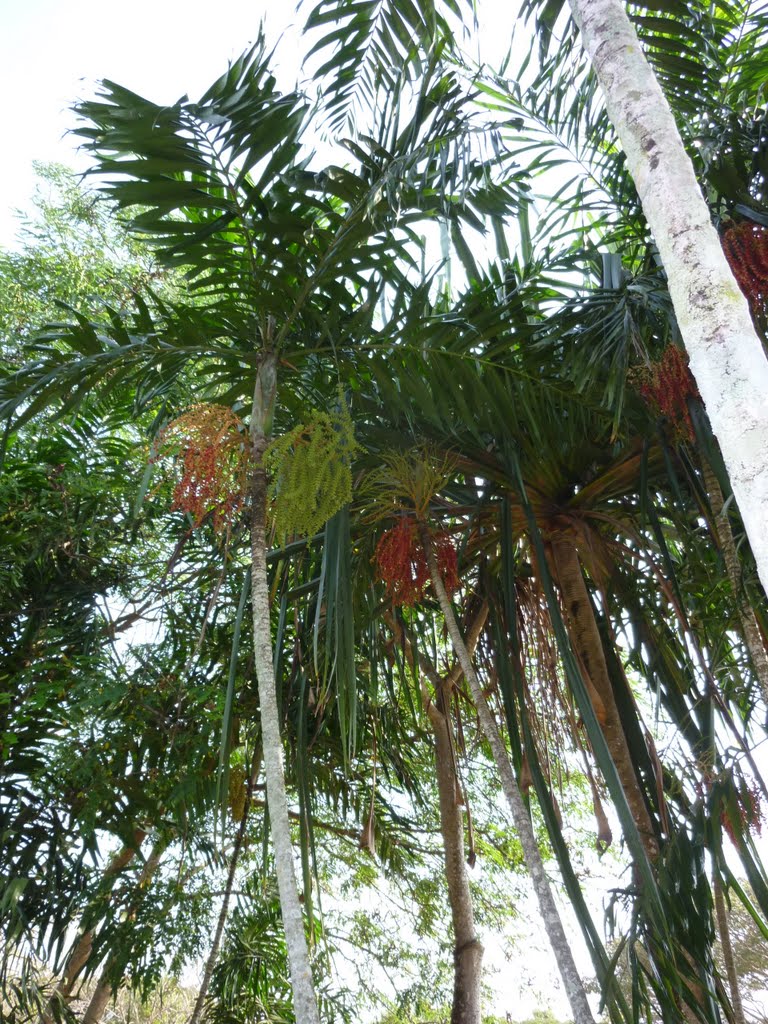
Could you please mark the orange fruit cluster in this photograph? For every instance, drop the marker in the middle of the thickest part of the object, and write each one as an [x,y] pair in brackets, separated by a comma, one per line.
[402,563]
[209,442]
[667,386]
[746,248]
[749,810]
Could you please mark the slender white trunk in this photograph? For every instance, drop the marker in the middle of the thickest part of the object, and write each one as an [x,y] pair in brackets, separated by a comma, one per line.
[726,356]
[572,983]
[304,1000]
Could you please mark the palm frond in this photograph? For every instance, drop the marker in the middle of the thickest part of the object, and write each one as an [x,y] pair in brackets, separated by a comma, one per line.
[377,49]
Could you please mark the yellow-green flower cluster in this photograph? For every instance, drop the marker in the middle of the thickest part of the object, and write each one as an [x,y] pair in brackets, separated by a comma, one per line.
[310,473]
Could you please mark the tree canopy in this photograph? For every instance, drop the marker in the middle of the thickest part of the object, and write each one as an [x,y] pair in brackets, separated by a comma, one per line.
[344,501]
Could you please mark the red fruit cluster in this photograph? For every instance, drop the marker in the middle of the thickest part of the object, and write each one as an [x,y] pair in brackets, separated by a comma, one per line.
[750,813]
[667,386]
[746,248]
[209,441]
[402,563]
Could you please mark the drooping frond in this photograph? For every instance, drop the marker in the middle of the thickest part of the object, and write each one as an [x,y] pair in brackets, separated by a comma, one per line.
[377,48]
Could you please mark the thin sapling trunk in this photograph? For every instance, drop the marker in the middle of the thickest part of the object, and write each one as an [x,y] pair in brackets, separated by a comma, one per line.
[81,951]
[105,988]
[304,999]
[468,950]
[749,627]
[721,913]
[556,933]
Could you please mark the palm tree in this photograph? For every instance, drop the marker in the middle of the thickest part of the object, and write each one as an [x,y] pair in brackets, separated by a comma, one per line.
[413,482]
[284,264]
[553,924]
[569,537]
[627,326]
[575,514]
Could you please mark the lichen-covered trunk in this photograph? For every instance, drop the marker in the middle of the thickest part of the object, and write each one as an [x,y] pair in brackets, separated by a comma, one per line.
[304,999]
[553,924]
[749,627]
[468,951]
[588,646]
[234,859]
[726,355]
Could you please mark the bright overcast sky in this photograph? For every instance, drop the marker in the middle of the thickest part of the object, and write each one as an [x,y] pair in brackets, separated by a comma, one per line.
[53,52]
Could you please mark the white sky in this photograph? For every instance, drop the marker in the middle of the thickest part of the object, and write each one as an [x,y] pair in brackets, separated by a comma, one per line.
[53,52]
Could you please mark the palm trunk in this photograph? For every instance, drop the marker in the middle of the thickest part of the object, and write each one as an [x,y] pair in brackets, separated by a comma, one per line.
[468,951]
[554,927]
[726,355]
[721,913]
[588,646]
[304,1000]
[210,963]
[105,989]
[749,627]
[99,1000]
[81,951]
